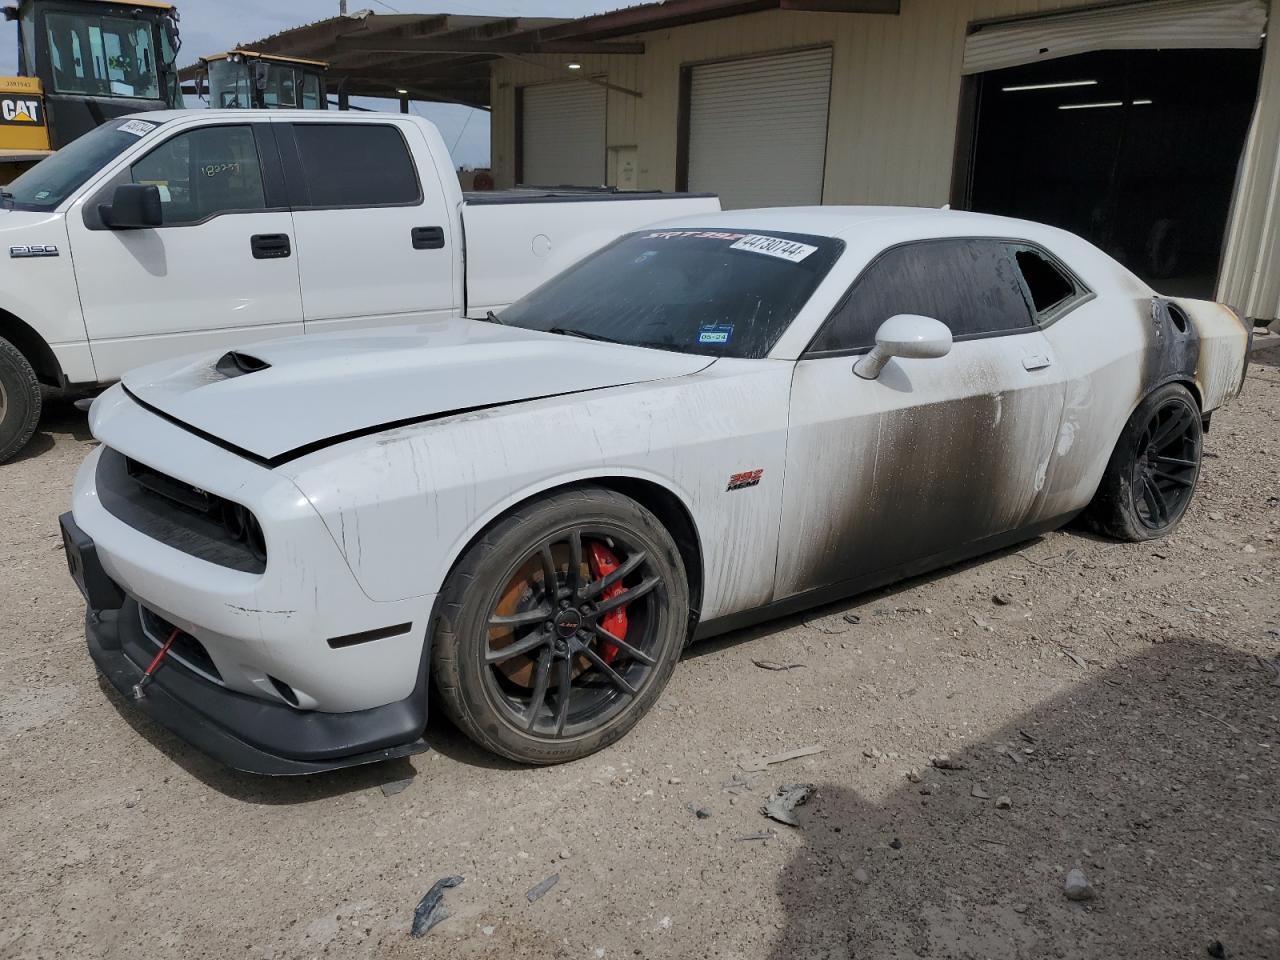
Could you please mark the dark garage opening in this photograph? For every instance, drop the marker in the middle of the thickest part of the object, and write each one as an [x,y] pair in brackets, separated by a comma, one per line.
[1139,154]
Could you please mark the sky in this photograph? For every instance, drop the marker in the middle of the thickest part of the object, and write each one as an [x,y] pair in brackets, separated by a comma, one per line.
[211,26]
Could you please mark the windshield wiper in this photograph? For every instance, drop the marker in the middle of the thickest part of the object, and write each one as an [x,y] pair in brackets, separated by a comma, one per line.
[494,318]
[564,332]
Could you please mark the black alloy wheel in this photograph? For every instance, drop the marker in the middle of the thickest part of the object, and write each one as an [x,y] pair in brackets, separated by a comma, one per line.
[1164,474]
[1151,477]
[555,668]
[559,628]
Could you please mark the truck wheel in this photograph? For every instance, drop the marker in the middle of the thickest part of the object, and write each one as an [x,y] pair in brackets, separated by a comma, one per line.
[560,627]
[1152,475]
[19,401]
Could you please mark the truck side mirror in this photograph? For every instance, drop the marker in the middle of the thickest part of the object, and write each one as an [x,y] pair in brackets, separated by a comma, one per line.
[133,206]
[905,335]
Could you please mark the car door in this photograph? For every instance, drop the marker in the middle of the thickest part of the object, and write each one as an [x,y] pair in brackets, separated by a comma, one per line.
[894,474]
[219,271]
[375,239]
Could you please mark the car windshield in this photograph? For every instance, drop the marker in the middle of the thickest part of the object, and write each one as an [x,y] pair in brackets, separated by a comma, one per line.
[723,293]
[56,177]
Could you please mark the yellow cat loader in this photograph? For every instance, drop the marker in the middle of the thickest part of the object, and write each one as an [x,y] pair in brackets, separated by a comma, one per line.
[81,63]
[24,134]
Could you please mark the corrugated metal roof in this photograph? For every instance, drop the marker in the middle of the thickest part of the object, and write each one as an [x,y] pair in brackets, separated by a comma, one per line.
[446,56]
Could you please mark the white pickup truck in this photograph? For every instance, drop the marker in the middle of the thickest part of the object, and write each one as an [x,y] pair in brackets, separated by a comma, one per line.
[178,231]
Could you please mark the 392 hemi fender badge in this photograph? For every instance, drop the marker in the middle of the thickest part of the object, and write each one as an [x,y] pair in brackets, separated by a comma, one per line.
[748,478]
[34,250]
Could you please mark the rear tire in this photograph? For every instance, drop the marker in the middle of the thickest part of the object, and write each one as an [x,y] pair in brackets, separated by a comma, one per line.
[496,597]
[19,401]
[1151,478]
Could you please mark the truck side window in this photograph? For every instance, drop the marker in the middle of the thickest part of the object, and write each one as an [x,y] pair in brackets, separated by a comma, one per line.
[356,165]
[205,172]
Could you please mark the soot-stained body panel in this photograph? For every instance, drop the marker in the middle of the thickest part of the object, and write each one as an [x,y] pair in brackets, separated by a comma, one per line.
[931,455]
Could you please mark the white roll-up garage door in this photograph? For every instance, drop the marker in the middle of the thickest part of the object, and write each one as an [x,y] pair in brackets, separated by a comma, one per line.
[758,129]
[1153,25]
[562,135]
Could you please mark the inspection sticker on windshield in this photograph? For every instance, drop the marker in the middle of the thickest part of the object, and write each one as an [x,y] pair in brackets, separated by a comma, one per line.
[715,333]
[139,128]
[774,247]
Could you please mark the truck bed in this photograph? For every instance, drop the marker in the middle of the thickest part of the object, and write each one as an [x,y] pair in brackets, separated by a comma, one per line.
[517,239]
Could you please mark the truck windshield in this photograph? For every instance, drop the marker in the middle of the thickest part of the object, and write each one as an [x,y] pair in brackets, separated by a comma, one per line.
[55,178]
[102,56]
[723,293]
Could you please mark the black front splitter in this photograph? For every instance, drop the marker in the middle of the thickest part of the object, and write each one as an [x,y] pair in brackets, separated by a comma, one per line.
[244,732]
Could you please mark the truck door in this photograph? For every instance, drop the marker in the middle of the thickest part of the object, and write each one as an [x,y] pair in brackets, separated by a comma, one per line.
[375,237]
[220,271]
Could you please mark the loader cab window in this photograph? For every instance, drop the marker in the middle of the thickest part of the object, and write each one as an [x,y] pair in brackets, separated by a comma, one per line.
[312,92]
[279,86]
[205,172]
[102,56]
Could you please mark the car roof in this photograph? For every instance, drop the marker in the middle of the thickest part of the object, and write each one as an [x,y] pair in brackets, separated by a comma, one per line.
[836,221]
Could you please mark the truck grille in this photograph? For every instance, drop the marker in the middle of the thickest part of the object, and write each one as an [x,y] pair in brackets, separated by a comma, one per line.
[180,515]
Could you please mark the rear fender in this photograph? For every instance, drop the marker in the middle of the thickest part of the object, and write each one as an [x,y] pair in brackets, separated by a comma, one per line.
[1218,362]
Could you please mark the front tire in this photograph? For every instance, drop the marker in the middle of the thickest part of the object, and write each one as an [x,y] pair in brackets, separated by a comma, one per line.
[1152,475]
[19,401]
[546,675]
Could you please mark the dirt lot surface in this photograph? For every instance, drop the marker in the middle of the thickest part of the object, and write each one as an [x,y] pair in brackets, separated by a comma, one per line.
[1124,699]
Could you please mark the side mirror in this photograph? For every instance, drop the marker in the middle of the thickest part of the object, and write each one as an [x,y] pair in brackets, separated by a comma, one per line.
[905,335]
[133,206]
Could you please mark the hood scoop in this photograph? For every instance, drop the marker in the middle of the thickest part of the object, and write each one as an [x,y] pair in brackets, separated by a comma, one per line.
[237,364]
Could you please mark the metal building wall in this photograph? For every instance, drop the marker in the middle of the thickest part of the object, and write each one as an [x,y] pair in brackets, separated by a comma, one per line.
[1250,279]
[895,97]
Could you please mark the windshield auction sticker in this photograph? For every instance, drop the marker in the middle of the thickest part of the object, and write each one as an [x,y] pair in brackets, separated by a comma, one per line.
[139,128]
[774,247]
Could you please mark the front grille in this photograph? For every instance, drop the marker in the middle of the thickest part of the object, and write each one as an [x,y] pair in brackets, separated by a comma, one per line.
[180,515]
[186,649]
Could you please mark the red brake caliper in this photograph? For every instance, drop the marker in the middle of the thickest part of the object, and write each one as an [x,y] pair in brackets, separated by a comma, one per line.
[602,563]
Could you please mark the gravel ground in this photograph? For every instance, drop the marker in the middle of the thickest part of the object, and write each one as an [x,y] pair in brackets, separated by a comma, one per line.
[1124,700]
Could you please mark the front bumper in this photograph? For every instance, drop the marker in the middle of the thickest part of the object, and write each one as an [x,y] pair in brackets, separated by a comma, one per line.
[244,732]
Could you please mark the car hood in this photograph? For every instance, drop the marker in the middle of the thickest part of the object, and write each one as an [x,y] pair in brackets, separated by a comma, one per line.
[280,399]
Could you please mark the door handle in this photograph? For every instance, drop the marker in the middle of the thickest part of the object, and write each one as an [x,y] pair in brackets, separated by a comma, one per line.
[427,238]
[270,246]
[1036,362]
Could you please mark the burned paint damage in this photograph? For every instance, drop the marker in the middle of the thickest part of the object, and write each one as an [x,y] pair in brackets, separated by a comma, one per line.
[1172,347]
[939,454]
[931,455]
[1223,336]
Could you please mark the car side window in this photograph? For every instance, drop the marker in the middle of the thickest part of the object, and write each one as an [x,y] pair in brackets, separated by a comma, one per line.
[205,172]
[356,165]
[971,285]
[1048,286]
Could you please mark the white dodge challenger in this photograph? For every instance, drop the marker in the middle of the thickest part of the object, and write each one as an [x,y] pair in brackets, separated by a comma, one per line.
[702,425]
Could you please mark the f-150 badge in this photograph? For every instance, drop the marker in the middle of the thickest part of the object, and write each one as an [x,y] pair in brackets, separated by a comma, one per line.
[34,250]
